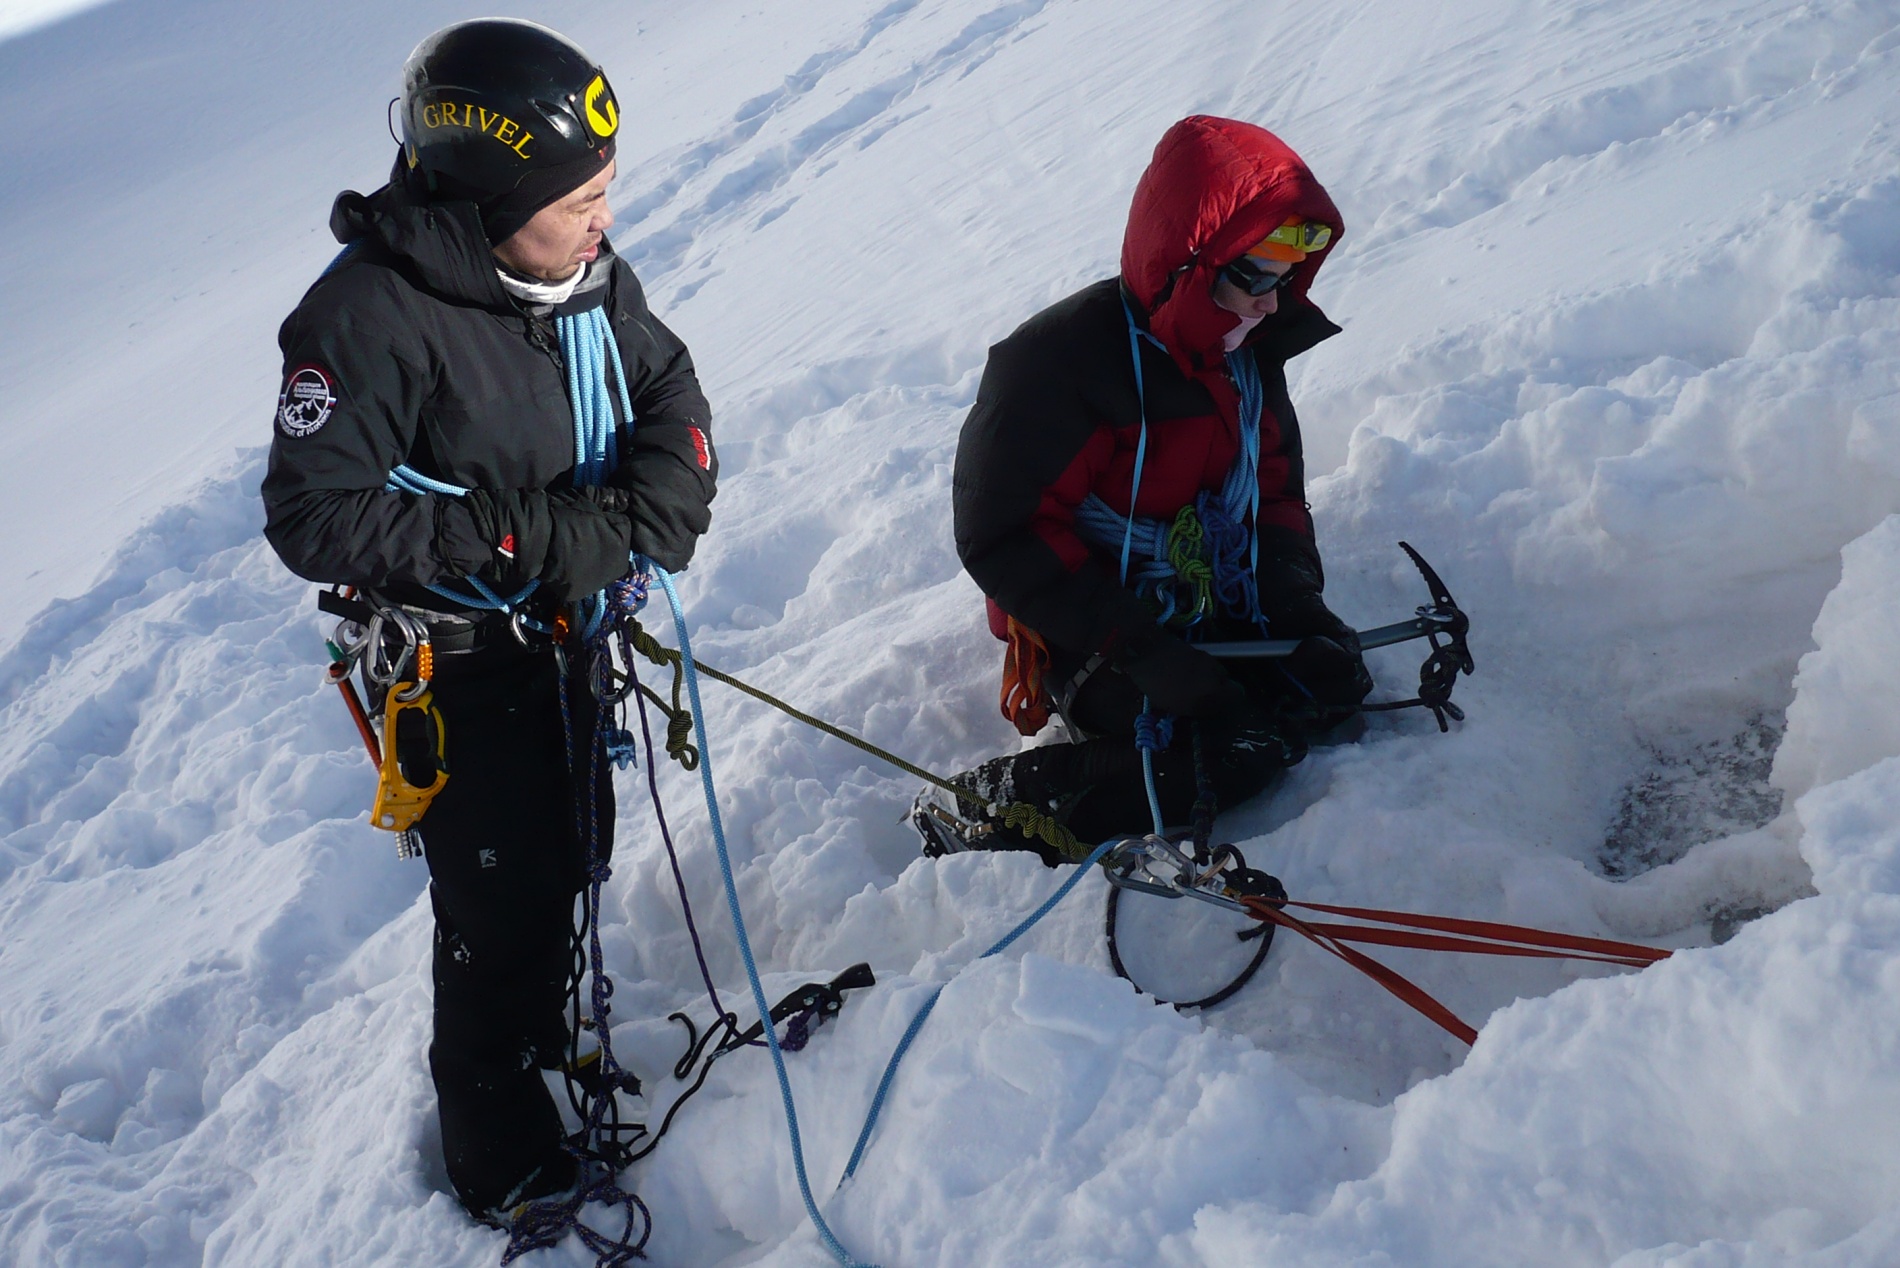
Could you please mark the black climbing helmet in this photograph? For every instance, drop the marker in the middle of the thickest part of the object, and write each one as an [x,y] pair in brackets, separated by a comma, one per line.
[491,102]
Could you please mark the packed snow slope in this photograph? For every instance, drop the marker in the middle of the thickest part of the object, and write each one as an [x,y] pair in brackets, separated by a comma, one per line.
[1622,357]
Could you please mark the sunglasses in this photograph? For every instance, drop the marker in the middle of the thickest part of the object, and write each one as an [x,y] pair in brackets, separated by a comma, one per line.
[1252,276]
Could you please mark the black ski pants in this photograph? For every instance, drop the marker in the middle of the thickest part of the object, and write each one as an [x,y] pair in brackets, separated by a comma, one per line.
[1096,785]
[507,856]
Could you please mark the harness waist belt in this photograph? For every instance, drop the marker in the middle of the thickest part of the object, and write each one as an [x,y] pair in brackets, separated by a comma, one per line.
[450,633]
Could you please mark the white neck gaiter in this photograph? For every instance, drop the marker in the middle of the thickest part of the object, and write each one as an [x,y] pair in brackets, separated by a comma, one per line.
[535,292]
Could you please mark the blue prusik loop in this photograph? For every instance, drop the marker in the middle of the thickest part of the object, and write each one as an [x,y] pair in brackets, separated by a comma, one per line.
[917,1022]
[588,349]
[825,1234]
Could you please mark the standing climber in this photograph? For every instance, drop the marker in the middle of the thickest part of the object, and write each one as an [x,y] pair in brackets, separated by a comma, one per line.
[1160,394]
[476,327]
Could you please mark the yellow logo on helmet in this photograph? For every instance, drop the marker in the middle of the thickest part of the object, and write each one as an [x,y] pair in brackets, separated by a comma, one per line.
[603,116]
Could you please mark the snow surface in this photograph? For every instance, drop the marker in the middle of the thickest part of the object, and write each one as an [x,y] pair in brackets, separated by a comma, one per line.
[1622,358]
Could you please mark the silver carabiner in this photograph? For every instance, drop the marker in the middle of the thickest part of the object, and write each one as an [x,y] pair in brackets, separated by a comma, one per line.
[416,649]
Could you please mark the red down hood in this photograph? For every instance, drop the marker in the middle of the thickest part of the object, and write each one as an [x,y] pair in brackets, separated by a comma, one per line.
[1214,188]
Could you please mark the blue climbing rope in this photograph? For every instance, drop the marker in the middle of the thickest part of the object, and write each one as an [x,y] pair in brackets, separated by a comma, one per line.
[1135,336]
[1153,734]
[588,346]
[1228,517]
[825,1234]
[923,1014]
[1229,523]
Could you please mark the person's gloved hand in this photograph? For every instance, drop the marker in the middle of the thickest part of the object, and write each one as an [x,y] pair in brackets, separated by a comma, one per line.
[670,478]
[1327,662]
[574,541]
[588,546]
[1177,678]
[517,528]
[1332,669]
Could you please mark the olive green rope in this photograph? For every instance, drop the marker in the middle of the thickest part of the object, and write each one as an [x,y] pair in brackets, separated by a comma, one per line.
[1021,816]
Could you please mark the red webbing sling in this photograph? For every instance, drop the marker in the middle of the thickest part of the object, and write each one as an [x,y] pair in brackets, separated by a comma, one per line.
[1450,933]
[1025,693]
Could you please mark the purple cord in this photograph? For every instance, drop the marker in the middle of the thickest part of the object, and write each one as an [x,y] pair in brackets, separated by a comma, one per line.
[672,855]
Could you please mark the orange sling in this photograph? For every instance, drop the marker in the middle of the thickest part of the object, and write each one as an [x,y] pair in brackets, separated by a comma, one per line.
[1025,696]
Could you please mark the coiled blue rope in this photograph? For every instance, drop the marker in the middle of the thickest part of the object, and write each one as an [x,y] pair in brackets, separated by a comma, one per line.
[588,347]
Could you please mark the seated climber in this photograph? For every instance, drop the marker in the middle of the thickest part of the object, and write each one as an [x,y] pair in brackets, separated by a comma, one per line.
[1129,488]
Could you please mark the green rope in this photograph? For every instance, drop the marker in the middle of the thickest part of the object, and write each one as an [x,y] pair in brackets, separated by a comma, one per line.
[1021,816]
[1187,554]
[1032,822]
[679,718]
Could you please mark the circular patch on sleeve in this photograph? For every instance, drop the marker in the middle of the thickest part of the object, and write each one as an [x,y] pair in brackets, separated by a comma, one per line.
[306,402]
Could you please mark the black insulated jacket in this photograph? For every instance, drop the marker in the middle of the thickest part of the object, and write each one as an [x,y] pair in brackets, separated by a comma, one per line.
[409,351]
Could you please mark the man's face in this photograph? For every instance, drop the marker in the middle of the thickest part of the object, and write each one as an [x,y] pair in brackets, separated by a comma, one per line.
[1237,301]
[564,235]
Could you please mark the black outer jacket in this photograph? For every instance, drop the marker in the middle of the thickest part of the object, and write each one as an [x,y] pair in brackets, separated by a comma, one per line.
[1047,389]
[433,364]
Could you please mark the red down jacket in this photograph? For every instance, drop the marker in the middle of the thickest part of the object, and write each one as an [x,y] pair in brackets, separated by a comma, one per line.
[1057,417]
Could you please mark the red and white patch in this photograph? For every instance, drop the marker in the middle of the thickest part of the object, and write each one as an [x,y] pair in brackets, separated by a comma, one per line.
[702,450]
[307,401]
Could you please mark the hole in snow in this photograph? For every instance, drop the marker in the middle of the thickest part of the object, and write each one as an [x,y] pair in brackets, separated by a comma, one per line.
[1712,791]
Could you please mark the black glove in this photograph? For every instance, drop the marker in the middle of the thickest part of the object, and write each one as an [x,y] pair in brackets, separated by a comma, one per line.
[517,527]
[574,541]
[1327,662]
[669,486]
[589,545]
[1178,679]
[1332,669]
